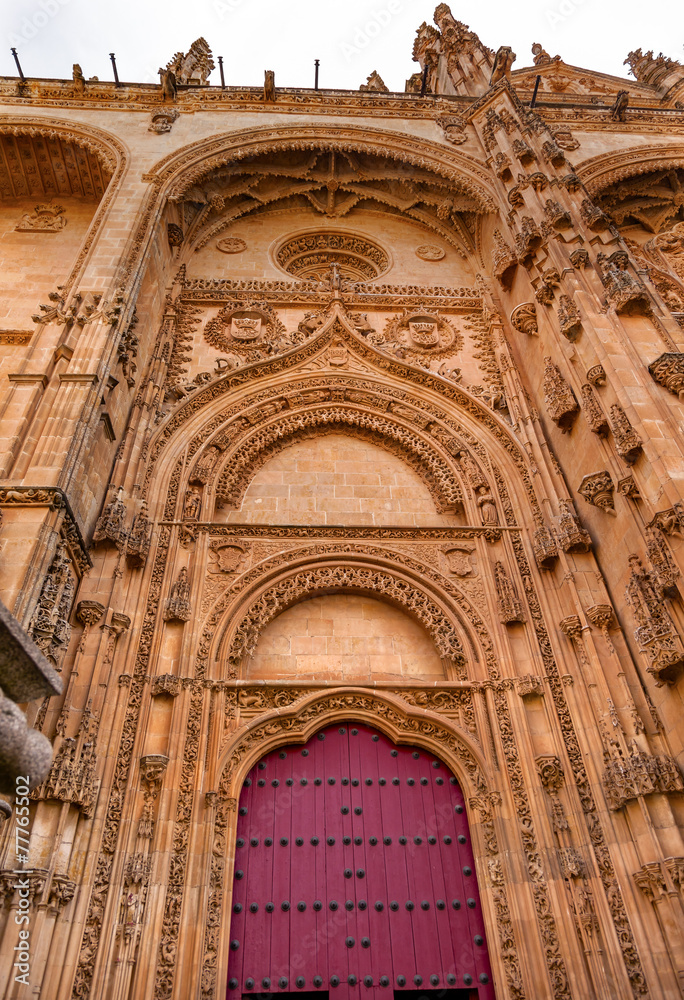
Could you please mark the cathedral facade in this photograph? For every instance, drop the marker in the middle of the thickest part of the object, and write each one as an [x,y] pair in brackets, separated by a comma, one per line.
[343,484]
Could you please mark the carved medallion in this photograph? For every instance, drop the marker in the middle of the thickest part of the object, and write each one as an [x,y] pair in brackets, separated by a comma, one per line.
[228,556]
[231,244]
[43,219]
[241,327]
[429,251]
[422,333]
[311,255]
[458,558]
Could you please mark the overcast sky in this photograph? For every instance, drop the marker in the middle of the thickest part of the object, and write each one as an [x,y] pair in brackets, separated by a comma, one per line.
[351,38]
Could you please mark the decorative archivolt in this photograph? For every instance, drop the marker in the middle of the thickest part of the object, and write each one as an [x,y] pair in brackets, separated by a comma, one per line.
[388,713]
[600,172]
[401,723]
[109,150]
[344,577]
[189,165]
[384,429]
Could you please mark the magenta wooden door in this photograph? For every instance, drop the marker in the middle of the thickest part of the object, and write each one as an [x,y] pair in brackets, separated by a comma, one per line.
[354,875]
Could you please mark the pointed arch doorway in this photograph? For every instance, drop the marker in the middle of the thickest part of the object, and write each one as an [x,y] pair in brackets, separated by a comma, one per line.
[354,876]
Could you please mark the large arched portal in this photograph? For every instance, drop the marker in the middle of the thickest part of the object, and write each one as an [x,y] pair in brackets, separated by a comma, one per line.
[354,874]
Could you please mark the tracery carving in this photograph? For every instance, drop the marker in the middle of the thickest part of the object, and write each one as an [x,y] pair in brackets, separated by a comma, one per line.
[627,441]
[268,440]
[595,417]
[665,570]
[291,590]
[510,607]
[49,627]
[655,632]
[177,606]
[559,398]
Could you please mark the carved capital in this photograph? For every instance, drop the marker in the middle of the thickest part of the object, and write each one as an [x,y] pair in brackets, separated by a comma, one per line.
[597,489]
[551,772]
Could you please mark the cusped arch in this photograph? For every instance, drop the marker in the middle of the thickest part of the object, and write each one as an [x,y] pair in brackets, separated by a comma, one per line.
[239,466]
[294,576]
[389,713]
[176,173]
[398,721]
[601,171]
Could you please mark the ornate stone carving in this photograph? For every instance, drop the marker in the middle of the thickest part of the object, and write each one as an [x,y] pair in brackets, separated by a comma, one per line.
[293,589]
[110,524]
[626,777]
[628,488]
[530,686]
[229,555]
[668,371]
[139,539]
[545,548]
[246,328]
[597,489]
[504,260]
[627,441]
[557,217]
[569,318]
[162,121]
[625,293]
[152,768]
[311,255]
[570,533]
[422,333]
[510,607]
[559,399]
[655,632]
[571,863]
[595,417]
[524,318]
[552,778]
[665,570]
[49,627]
[458,558]
[231,244]
[165,685]
[593,217]
[375,83]
[596,375]
[528,240]
[430,251]
[194,66]
[579,258]
[177,606]
[251,453]
[43,219]
[454,129]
